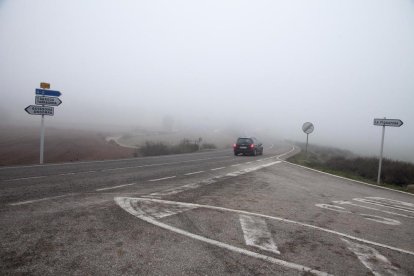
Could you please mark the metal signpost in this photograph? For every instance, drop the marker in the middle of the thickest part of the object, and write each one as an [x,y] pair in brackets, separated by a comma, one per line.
[385,122]
[45,100]
[308,129]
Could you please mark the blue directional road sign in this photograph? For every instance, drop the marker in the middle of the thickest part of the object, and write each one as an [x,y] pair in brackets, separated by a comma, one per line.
[47,92]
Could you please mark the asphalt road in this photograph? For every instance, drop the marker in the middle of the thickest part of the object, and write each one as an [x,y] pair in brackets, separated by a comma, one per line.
[208,213]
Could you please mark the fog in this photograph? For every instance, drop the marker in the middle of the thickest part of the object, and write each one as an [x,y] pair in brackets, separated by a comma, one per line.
[255,66]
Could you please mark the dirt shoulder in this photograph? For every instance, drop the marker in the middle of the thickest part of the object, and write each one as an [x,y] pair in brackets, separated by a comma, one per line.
[20,145]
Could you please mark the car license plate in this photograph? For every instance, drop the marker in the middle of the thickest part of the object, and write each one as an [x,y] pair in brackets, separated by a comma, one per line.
[243,147]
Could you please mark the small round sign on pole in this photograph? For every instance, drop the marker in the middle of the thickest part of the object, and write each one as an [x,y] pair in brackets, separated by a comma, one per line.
[308,129]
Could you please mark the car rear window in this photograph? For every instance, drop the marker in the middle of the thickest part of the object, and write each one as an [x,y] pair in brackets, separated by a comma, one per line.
[244,141]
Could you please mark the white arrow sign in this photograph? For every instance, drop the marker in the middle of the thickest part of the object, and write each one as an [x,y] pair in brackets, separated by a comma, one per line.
[43,100]
[40,110]
[388,122]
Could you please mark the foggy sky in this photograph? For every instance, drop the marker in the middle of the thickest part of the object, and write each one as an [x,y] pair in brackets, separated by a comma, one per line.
[257,65]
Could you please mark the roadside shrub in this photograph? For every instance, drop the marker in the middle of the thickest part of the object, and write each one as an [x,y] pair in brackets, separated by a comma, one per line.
[159,148]
[208,146]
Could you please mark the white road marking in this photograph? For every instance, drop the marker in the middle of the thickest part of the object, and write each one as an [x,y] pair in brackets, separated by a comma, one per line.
[209,181]
[373,202]
[125,203]
[235,165]
[366,216]
[163,178]
[332,208]
[216,169]
[24,178]
[257,234]
[191,173]
[381,219]
[37,200]
[248,162]
[392,202]
[348,179]
[372,259]
[116,169]
[283,220]
[371,208]
[286,153]
[115,187]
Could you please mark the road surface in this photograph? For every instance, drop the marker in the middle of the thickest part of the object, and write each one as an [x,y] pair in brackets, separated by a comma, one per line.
[209,213]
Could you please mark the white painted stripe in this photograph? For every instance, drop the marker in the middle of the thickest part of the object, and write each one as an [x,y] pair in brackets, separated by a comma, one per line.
[372,259]
[196,185]
[235,165]
[191,173]
[24,178]
[370,208]
[220,168]
[115,187]
[392,202]
[364,200]
[117,169]
[37,200]
[163,178]
[286,221]
[286,153]
[257,234]
[248,162]
[348,179]
[333,208]
[126,205]
[381,219]
[105,161]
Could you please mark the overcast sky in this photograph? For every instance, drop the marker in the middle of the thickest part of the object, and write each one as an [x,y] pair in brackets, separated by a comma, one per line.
[271,64]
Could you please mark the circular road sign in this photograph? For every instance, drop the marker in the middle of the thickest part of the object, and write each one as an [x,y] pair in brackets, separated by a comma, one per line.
[307,127]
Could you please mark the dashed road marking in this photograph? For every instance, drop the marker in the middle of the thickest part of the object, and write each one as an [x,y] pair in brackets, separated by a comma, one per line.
[115,187]
[235,165]
[191,173]
[216,169]
[162,178]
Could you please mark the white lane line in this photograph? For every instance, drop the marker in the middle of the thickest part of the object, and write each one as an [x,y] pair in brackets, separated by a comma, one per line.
[120,168]
[333,208]
[348,179]
[257,234]
[127,205]
[342,202]
[37,200]
[372,259]
[23,178]
[235,165]
[248,162]
[209,181]
[216,169]
[259,160]
[286,221]
[115,187]
[191,173]
[286,153]
[163,178]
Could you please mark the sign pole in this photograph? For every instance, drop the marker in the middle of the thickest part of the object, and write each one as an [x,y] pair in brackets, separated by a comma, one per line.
[42,139]
[380,159]
[307,139]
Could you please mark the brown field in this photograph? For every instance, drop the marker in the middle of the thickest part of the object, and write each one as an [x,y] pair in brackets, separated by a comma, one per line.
[20,145]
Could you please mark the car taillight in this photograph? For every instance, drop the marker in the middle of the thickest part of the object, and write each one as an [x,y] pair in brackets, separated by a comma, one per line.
[234,145]
[252,145]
